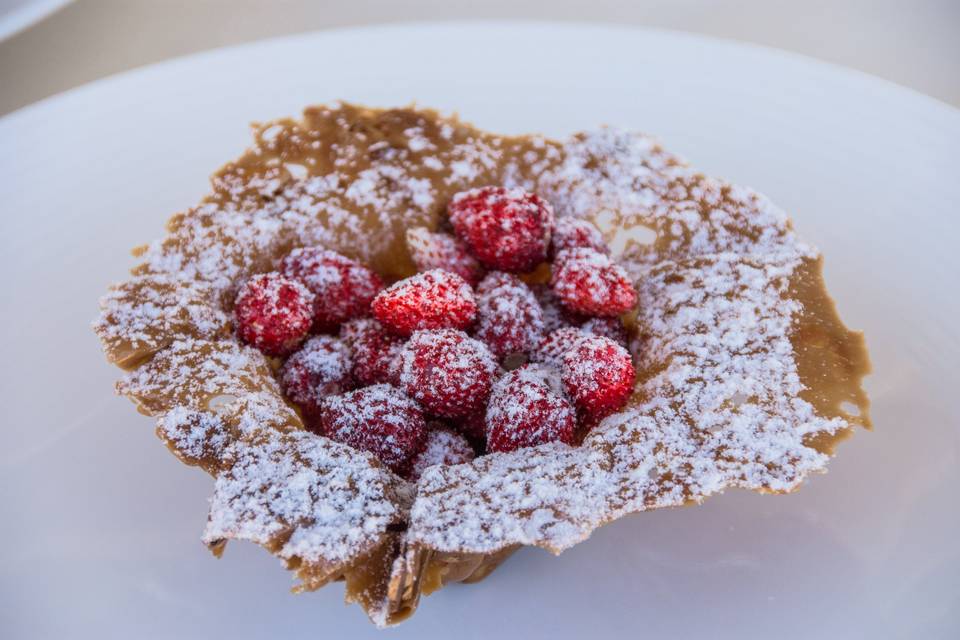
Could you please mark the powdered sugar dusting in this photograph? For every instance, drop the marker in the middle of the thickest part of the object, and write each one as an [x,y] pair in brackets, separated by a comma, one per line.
[145,314]
[509,318]
[551,348]
[379,419]
[737,253]
[308,497]
[443,447]
[527,409]
[718,402]
[431,250]
[190,373]
[196,437]
[433,299]
[589,282]
[322,367]
[722,330]
[448,372]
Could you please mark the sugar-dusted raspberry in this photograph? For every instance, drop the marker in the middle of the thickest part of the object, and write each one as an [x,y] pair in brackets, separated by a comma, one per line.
[434,299]
[509,318]
[571,233]
[273,313]
[434,250]
[506,229]
[379,419]
[319,369]
[444,446]
[375,351]
[447,372]
[588,282]
[524,411]
[607,327]
[599,375]
[551,348]
[555,315]
[474,427]
[343,287]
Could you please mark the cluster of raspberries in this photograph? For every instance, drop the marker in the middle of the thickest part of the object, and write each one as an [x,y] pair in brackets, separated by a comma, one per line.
[465,357]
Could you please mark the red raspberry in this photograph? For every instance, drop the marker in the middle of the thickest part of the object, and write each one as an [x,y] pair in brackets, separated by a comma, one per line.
[599,375]
[444,447]
[431,300]
[588,282]
[379,419]
[506,229]
[319,369]
[273,313]
[431,250]
[553,346]
[509,318]
[555,316]
[375,351]
[570,233]
[524,411]
[447,371]
[343,287]
[608,328]
[474,427]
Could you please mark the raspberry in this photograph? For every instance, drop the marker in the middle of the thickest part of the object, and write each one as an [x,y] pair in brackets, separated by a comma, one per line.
[506,229]
[570,233]
[431,300]
[509,318]
[375,351]
[379,419]
[319,369]
[343,287]
[608,328]
[588,282]
[273,313]
[474,427]
[447,371]
[431,250]
[599,375]
[444,447]
[524,411]
[554,345]
[555,316]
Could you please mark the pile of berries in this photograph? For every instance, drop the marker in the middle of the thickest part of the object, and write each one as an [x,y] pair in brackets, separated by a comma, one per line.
[463,358]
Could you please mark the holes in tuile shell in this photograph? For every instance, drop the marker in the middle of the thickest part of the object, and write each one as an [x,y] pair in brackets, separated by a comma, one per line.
[297,171]
[622,240]
[850,409]
[221,402]
[270,133]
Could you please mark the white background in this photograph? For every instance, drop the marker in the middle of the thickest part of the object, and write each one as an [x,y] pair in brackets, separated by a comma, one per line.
[915,43]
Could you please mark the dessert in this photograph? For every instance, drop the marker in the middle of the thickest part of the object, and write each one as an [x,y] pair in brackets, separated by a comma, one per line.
[374,350]
[273,313]
[342,288]
[410,445]
[443,446]
[434,299]
[505,229]
[379,419]
[527,408]
[447,372]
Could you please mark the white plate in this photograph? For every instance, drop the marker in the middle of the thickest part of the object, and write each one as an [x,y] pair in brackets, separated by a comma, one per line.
[17,15]
[100,526]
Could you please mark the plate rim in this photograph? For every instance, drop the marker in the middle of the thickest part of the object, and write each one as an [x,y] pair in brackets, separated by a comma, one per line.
[822,66]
